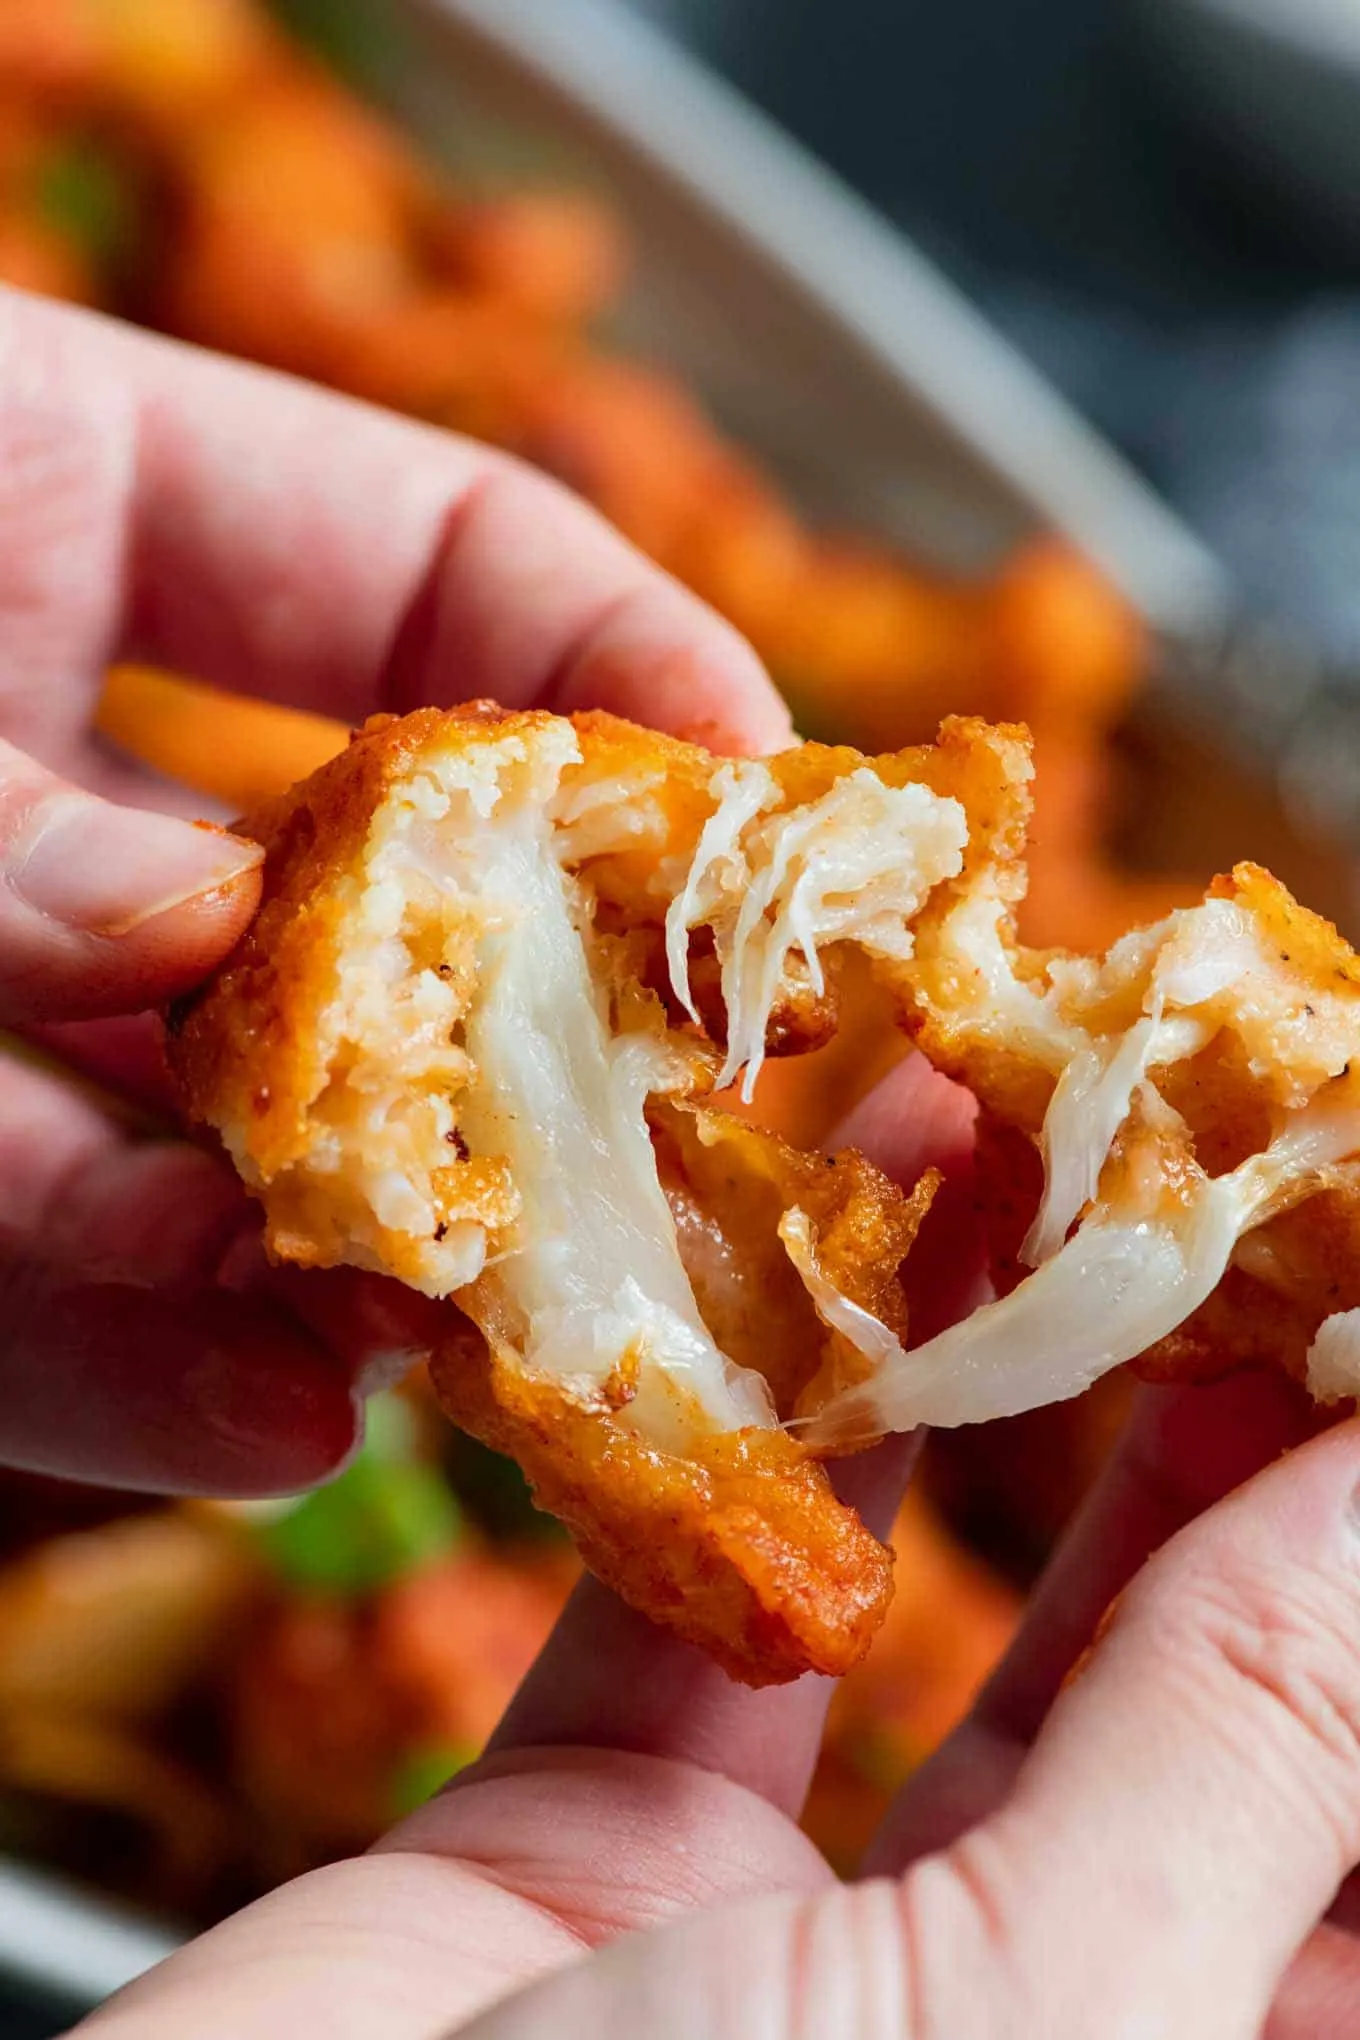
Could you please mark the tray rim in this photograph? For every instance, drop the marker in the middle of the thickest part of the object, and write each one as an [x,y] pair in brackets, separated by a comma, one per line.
[631,82]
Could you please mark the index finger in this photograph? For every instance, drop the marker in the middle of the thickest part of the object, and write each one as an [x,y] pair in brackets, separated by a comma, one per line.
[282,541]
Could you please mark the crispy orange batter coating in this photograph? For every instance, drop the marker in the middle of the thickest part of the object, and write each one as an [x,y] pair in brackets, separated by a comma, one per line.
[1266,998]
[740,1547]
[338,1055]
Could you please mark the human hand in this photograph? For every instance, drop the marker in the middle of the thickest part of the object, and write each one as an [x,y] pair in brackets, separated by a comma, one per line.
[1145,1848]
[157,504]
[1156,1842]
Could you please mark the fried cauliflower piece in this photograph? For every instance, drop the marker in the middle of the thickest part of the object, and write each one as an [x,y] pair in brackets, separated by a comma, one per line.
[498,961]
[1194,1097]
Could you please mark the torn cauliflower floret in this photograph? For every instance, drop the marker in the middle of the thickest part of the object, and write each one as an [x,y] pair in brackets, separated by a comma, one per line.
[470,1042]
[854,865]
[1203,968]
[1145,1257]
[1024,1013]
[1122,1282]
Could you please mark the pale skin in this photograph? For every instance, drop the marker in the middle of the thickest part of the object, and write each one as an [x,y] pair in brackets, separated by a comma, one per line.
[1158,1845]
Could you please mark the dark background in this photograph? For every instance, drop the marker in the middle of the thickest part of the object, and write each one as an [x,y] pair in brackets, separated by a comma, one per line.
[1036,150]
[1071,181]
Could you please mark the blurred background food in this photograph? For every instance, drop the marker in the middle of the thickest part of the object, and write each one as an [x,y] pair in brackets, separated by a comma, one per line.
[197,1701]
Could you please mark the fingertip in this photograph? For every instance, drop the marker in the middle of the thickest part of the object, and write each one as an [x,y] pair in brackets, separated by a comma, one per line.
[205,1393]
[192,866]
[105,908]
[914,1119]
[1214,1719]
[1200,1439]
[378,1327]
[735,708]
[664,660]
[83,976]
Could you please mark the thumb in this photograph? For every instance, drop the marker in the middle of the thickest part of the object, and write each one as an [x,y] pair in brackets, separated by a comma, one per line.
[1193,1800]
[108,909]
[1180,1828]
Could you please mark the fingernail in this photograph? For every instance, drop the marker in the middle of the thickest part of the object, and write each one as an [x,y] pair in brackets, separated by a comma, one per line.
[107,869]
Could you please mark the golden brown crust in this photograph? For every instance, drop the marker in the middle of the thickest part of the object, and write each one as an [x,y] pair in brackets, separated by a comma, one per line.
[742,1549]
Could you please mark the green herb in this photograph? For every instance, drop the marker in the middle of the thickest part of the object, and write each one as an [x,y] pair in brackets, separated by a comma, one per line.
[423,1770]
[85,194]
[391,1430]
[385,1516]
[357,37]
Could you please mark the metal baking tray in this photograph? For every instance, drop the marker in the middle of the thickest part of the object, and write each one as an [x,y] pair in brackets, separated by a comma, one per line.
[824,340]
[815,331]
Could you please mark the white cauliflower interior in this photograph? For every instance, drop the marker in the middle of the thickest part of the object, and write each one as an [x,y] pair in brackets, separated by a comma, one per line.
[854,865]
[483,1121]
[1137,1265]
[593,1271]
